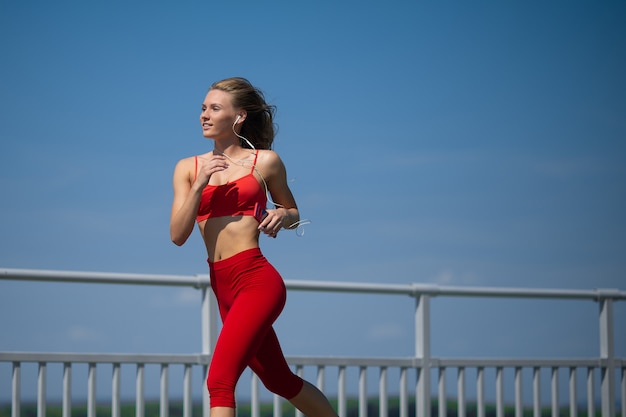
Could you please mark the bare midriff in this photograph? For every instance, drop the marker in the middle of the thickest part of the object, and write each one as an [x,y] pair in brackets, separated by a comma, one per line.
[227,236]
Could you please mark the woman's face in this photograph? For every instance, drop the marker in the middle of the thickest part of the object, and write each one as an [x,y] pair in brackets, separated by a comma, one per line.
[218,115]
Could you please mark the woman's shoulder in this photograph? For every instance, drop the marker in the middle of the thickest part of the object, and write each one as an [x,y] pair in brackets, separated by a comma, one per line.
[270,162]
[187,166]
[268,156]
[185,162]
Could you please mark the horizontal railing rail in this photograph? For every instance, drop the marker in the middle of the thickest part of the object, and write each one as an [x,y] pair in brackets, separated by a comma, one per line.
[203,281]
[416,374]
[375,361]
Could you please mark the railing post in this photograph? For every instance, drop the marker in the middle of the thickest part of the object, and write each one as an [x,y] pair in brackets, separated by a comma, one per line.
[461,392]
[164,404]
[623,395]
[187,399]
[363,391]
[536,391]
[91,390]
[442,397]
[591,397]
[208,321]
[404,396]
[519,402]
[499,391]
[554,386]
[209,336]
[607,355]
[67,390]
[383,400]
[140,384]
[342,406]
[41,390]
[16,384]
[255,404]
[573,395]
[480,391]
[422,351]
[116,391]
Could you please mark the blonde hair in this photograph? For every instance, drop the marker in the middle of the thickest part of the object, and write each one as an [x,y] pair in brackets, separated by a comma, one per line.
[258,127]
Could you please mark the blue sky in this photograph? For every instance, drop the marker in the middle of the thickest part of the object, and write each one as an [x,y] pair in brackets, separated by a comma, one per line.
[455,143]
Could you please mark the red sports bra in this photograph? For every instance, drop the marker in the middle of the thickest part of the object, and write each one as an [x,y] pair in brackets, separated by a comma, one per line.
[241,197]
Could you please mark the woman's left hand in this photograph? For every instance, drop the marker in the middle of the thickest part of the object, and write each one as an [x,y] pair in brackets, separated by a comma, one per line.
[273,221]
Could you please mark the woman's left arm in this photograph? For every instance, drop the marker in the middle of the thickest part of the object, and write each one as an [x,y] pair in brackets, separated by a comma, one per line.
[286,214]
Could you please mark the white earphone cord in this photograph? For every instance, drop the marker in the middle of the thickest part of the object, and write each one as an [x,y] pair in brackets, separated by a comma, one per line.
[300,223]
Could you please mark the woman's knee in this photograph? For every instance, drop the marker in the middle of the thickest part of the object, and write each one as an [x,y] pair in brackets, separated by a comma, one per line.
[285,386]
[221,391]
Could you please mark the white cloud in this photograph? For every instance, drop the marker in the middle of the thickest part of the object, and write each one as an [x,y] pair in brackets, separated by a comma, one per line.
[445,277]
[83,334]
[183,297]
[188,296]
[448,277]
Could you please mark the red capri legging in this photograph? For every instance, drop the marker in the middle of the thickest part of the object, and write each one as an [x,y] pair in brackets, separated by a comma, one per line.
[250,294]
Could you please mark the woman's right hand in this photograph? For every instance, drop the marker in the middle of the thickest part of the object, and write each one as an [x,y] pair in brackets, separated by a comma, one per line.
[209,165]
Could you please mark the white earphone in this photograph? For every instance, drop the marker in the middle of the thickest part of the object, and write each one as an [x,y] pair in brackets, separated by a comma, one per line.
[297,225]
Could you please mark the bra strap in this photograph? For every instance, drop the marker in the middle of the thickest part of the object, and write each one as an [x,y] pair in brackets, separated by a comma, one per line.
[256,155]
[195,174]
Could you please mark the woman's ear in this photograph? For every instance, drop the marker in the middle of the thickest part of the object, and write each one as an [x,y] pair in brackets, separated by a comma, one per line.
[241,117]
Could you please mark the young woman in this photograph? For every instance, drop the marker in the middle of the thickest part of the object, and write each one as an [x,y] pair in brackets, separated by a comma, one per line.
[225,192]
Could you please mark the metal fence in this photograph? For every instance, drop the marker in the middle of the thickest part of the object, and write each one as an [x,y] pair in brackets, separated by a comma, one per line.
[420,380]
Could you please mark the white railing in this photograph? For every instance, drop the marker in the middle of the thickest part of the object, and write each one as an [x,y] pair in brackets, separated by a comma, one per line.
[418,377]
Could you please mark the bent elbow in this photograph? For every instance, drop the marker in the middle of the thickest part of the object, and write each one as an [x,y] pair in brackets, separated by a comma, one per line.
[178,239]
[178,242]
[179,233]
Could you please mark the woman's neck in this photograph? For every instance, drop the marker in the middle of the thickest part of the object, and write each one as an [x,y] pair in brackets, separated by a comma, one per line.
[227,146]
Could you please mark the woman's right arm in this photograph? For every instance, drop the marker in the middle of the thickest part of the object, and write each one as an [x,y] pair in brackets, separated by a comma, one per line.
[185,204]
[188,192]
